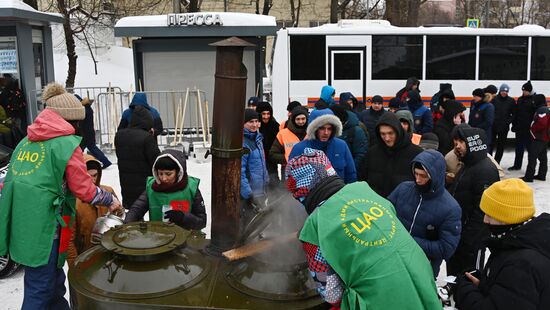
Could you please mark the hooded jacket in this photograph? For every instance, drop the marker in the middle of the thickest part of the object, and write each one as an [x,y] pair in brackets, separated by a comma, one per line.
[85,218]
[445,125]
[404,92]
[254,176]
[326,99]
[482,115]
[140,99]
[87,130]
[431,217]
[386,167]
[407,115]
[136,150]
[268,130]
[355,138]
[370,118]
[524,110]
[540,129]
[423,121]
[335,149]
[478,173]
[196,219]
[517,274]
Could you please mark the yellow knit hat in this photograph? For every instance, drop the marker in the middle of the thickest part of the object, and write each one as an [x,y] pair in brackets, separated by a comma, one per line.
[60,101]
[509,201]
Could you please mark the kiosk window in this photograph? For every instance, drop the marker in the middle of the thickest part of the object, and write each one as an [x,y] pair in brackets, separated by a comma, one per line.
[307,58]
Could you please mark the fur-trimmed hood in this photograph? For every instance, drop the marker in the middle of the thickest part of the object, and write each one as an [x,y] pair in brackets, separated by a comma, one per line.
[321,121]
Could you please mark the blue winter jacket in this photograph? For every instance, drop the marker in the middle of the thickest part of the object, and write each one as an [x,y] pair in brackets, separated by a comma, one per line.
[482,115]
[254,176]
[433,218]
[140,99]
[423,120]
[326,94]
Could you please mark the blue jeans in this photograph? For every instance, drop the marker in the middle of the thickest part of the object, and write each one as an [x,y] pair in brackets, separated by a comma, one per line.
[45,285]
[98,154]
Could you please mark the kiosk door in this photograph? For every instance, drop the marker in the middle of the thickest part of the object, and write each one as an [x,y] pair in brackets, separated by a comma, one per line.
[347,70]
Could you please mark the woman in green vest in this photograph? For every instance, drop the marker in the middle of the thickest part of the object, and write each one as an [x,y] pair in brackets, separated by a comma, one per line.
[359,254]
[171,187]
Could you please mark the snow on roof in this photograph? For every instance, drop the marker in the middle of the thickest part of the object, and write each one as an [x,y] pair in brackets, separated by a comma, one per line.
[228,19]
[20,9]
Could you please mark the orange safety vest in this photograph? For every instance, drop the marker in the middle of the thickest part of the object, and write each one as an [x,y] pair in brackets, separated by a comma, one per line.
[287,139]
[415,138]
[282,125]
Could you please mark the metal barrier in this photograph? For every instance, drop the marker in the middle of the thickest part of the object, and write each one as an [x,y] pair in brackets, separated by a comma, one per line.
[184,113]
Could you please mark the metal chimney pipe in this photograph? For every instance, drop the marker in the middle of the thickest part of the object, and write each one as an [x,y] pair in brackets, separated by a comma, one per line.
[227,141]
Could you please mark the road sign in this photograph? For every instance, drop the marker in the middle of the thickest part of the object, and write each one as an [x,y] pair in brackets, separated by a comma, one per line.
[472,23]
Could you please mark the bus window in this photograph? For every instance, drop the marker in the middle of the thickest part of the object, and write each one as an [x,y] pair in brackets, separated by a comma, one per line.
[540,58]
[396,57]
[308,57]
[502,58]
[450,57]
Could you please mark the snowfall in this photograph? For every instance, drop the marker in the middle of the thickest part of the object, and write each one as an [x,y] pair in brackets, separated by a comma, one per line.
[115,66]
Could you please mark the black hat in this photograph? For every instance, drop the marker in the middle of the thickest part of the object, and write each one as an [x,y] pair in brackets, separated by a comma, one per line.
[340,112]
[395,103]
[253,101]
[250,114]
[292,105]
[478,92]
[377,98]
[527,86]
[429,141]
[491,89]
[539,100]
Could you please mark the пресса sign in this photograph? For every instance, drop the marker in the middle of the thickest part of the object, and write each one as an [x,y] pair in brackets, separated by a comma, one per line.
[194,19]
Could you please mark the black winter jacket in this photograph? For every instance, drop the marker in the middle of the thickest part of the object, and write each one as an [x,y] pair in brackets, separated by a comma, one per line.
[86,127]
[524,110]
[504,113]
[477,174]
[386,167]
[517,275]
[136,151]
[370,118]
[445,126]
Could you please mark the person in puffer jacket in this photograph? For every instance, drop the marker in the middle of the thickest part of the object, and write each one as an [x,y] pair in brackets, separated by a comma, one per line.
[140,99]
[322,133]
[427,210]
[423,121]
[540,134]
[254,175]
[326,99]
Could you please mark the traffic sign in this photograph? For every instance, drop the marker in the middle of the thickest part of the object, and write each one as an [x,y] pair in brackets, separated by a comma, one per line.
[472,23]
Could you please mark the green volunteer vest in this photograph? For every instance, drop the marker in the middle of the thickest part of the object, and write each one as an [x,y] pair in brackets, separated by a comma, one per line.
[33,201]
[381,265]
[180,200]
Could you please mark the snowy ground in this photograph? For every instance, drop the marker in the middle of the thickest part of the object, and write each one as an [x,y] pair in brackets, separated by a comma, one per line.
[11,289]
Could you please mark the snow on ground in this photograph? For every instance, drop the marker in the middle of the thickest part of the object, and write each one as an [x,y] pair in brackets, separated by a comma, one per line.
[11,289]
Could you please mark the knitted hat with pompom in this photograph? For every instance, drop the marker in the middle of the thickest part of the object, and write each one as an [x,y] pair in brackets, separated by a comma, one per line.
[67,105]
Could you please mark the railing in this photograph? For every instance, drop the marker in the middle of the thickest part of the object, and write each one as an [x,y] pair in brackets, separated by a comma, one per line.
[184,113]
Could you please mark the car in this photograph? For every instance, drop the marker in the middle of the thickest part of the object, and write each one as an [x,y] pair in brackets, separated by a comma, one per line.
[7,266]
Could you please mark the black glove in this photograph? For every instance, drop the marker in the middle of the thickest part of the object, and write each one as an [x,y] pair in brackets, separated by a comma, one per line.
[175,216]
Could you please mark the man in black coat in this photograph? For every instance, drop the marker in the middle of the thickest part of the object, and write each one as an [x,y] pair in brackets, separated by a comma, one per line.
[370,117]
[136,151]
[388,162]
[87,131]
[504,114]
[452,116]
[524,112]
[269,129]
[478,173]
[517,274]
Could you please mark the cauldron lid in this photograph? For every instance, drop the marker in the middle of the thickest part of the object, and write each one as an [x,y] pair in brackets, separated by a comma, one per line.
[144,238]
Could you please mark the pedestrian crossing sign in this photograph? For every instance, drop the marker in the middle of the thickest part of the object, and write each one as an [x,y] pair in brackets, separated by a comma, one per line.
[472,23]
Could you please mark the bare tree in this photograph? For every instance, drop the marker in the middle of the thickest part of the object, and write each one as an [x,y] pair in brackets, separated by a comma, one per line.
[403,13]
[431,13]
[295,12]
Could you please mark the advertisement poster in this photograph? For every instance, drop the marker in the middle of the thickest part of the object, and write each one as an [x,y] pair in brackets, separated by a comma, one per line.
[8,61]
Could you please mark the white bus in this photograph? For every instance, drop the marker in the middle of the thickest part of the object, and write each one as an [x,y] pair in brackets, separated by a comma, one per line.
[370,58]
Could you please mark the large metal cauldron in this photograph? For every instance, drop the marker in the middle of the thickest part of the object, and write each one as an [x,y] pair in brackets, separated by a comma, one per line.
[156,265]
